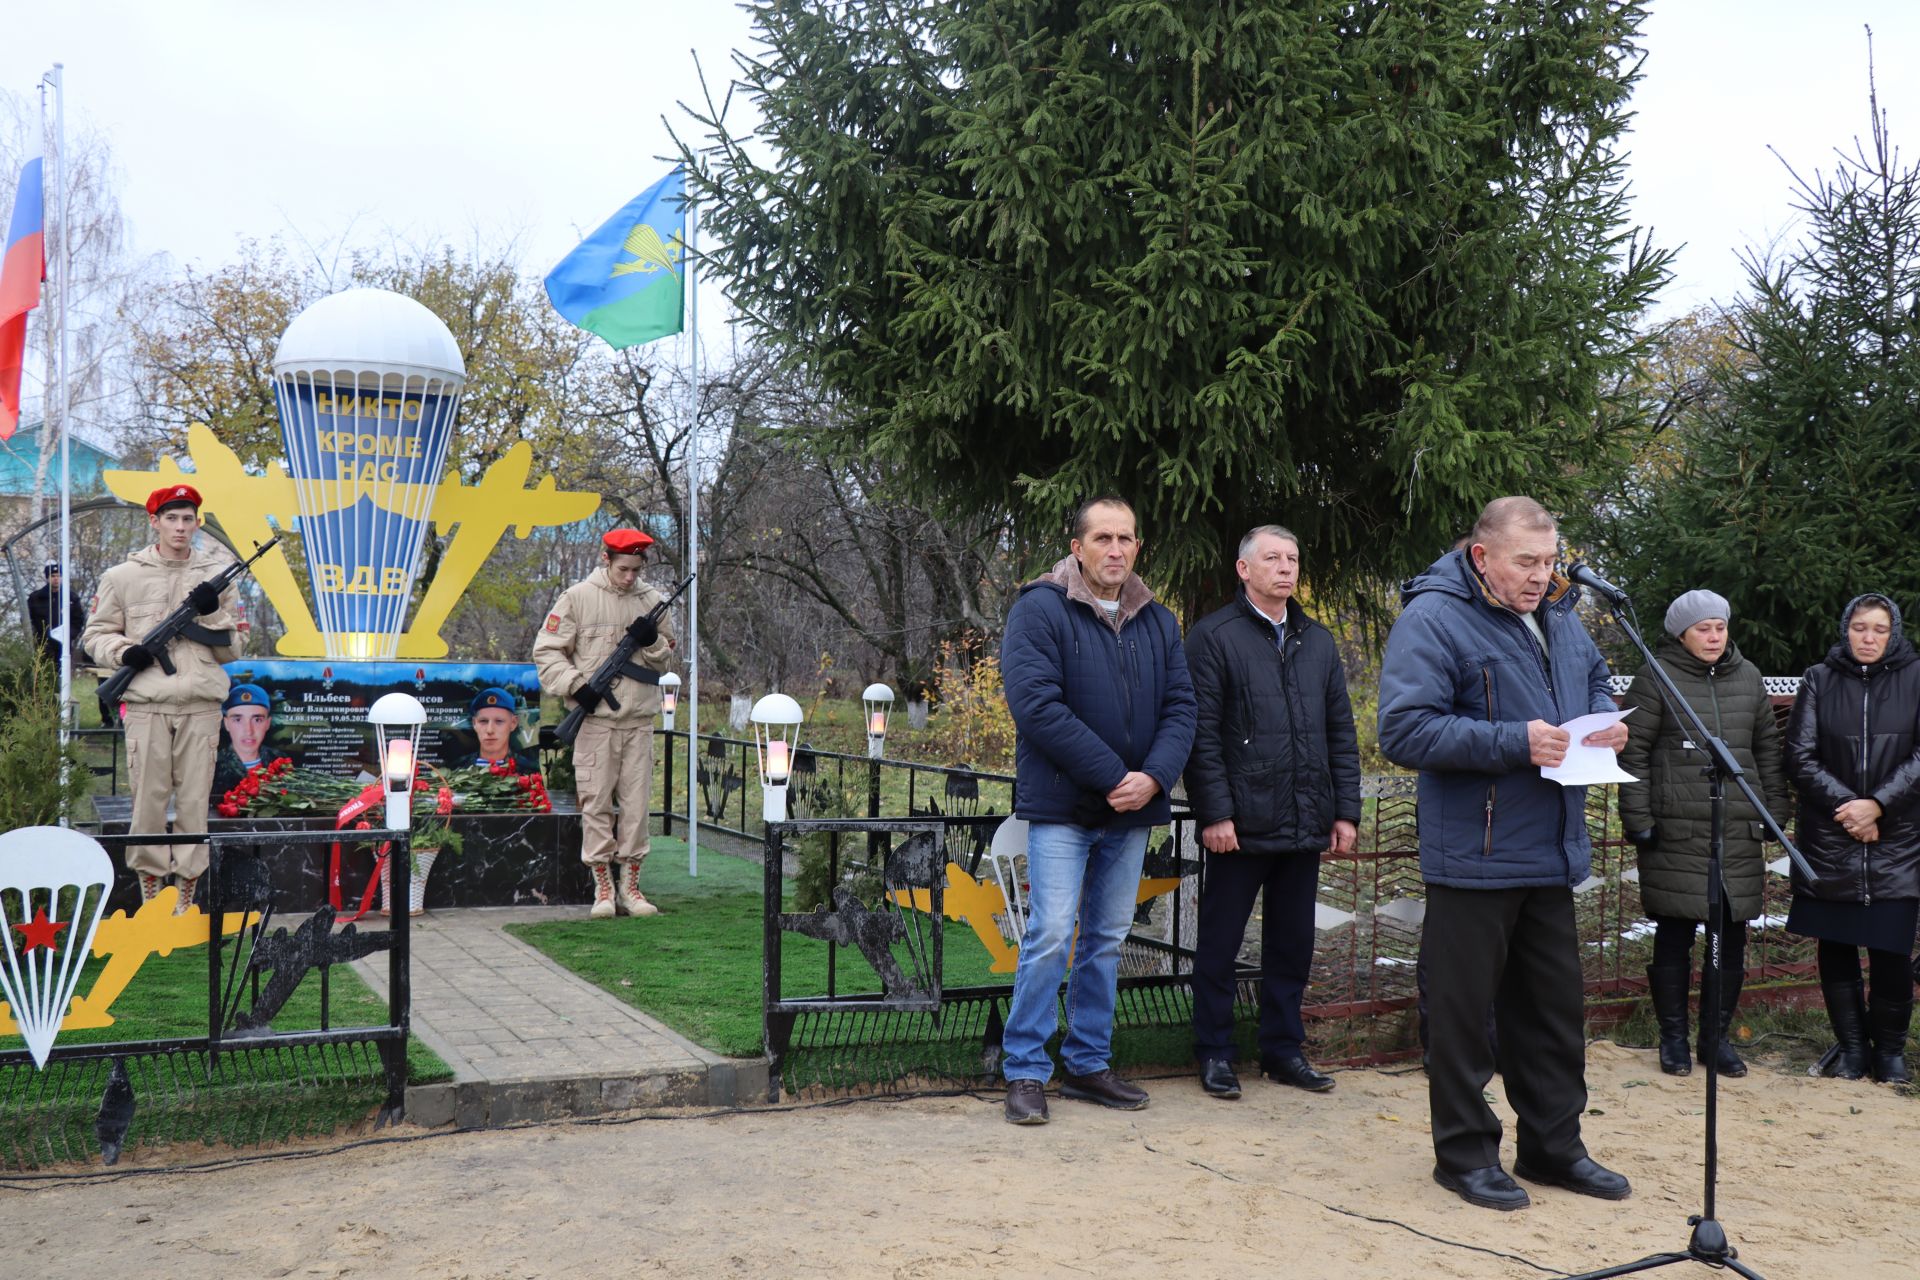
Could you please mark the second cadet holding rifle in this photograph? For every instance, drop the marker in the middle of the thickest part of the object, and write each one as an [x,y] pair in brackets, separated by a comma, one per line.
[172,719]
[613,754]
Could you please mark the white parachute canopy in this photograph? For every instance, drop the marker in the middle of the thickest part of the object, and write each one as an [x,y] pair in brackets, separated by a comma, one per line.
[53,890]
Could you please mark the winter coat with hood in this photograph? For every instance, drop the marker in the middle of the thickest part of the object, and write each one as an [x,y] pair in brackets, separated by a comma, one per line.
[1462,677]
[1853,734]
[135,596]
[1673,796]
[1093,699]
[583,629]
[1274,748]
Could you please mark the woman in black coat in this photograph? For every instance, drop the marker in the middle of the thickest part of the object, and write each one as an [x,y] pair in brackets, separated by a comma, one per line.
[1853,749]
[1668,814]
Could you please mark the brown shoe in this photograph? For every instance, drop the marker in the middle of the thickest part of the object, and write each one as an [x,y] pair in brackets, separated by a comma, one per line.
[1105,1088]
[1026,1102]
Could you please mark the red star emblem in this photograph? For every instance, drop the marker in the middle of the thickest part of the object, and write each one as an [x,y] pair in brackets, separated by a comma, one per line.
[39,931]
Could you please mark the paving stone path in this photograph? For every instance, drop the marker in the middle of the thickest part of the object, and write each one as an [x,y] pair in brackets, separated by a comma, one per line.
[529,1040]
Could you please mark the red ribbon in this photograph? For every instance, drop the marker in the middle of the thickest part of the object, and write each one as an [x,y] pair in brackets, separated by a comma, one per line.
[371,795]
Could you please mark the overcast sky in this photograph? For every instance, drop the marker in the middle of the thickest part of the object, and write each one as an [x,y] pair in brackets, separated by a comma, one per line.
[443,121]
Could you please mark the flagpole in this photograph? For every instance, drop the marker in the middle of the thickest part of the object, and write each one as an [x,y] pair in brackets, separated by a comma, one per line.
[63,263]
[693,550]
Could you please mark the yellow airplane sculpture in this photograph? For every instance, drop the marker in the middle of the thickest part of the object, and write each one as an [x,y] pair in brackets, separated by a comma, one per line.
[250,507]
[128,941]
[975,903]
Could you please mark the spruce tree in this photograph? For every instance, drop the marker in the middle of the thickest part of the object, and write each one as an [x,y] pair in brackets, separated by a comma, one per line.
[1798,481]
[1355,266]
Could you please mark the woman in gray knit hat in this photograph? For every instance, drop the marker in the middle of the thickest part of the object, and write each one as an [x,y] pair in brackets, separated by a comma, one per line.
[1668,814]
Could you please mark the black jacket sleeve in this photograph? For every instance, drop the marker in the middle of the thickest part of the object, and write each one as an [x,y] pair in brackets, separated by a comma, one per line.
[1207,791]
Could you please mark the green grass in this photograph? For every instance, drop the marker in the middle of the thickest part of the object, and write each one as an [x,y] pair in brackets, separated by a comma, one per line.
[697,967]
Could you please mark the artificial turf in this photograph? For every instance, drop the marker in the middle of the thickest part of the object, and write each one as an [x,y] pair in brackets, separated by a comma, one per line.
[698,966]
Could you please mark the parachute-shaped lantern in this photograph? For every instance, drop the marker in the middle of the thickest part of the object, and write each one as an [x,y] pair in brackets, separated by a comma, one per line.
[368,384]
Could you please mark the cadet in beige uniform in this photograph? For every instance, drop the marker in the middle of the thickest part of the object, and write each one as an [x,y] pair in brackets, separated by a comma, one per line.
[613,756]
[172,721]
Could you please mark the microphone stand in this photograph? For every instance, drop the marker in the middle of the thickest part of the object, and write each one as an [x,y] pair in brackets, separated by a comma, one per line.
[1708,1244]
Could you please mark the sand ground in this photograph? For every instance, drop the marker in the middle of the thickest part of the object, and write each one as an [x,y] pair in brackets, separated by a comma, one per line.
[1819,1179]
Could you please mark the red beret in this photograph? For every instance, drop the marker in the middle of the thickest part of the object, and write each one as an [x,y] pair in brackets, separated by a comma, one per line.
[173,493]
[625,542]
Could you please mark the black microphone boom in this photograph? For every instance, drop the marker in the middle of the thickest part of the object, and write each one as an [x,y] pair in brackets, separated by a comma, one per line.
[1581,572]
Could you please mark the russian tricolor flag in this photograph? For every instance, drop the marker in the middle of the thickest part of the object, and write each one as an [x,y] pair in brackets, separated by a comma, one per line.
[21,272]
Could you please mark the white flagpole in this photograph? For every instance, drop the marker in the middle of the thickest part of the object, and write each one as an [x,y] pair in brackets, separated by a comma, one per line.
[693,552]
[63,264]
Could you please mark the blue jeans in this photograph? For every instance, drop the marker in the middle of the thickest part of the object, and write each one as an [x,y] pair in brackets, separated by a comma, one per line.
[1088,874]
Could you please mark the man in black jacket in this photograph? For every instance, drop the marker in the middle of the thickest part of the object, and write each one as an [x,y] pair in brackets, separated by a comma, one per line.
[1274,781]
[43,609]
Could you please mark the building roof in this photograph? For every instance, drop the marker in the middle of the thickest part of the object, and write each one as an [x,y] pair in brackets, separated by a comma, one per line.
[20,463]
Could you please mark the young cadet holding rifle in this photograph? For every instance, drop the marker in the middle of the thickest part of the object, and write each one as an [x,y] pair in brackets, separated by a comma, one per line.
[613,752]
[172,716]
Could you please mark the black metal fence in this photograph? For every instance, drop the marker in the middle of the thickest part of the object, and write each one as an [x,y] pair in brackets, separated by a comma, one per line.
[823,784]
[233,1079]
[844,1026]
[893,894]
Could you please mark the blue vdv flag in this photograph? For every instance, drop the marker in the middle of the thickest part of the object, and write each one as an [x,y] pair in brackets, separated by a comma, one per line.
[626,281]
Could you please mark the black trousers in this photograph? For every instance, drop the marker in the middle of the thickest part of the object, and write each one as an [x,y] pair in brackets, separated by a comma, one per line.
[1891,980]
[1673,942]
[1286,948]
[1518,950]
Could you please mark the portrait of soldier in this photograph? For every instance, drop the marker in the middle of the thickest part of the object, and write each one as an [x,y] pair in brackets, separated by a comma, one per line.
[246,718]
[494,715]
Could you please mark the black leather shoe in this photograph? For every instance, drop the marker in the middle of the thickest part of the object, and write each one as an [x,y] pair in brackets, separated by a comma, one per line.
[1105,1088]
[1490,1188]
[1217,1078]
[1026,1102]
[1582,1177]
[1297,1072]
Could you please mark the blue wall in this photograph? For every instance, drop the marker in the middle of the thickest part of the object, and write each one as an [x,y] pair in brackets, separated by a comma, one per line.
[20,459]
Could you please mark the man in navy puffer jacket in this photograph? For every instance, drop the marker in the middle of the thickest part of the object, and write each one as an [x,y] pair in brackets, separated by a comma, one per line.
[1487,658]
[1104,713]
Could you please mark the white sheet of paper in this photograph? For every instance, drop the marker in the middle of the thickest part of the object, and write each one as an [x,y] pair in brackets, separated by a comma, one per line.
[1588,766]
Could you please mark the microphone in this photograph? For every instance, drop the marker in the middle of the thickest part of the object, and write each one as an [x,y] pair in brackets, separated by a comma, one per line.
[1579,571]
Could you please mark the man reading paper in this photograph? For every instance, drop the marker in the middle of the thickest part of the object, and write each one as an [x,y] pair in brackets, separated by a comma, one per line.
[1487,659]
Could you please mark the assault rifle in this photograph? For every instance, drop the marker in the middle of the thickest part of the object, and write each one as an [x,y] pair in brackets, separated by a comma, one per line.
[181,623]
[619,663]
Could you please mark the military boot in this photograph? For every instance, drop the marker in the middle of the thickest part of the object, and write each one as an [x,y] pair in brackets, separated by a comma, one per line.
[602,891]
[628,897]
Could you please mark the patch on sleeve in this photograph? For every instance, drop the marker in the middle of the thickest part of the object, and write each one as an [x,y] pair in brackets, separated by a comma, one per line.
[553,622]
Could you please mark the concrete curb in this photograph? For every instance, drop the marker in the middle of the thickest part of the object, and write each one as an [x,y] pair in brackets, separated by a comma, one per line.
[492,1104]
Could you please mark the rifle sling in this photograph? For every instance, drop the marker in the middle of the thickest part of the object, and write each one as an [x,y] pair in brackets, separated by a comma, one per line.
[642,674]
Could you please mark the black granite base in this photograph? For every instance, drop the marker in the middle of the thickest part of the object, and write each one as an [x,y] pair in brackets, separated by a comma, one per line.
[509,859]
